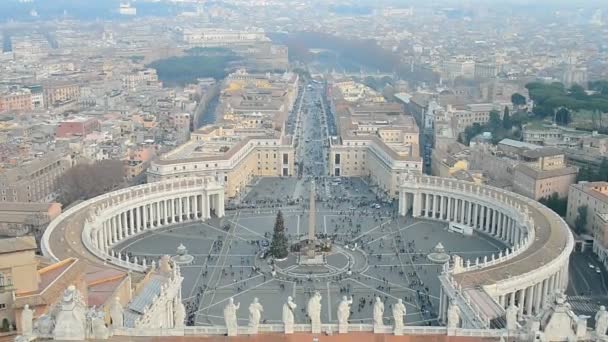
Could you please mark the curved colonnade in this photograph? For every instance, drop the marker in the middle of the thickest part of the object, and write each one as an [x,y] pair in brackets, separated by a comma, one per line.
[108,219]
[527,274]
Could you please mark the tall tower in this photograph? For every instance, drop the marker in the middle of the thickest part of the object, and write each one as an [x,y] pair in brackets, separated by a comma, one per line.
[311,214]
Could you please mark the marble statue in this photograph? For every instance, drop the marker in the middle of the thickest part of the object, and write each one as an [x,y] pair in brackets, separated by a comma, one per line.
[314,312]
[21,338]
[89,321]
[230,317]
[453,316]
[179,313]
[399,312]
[99,331]
[288,315]
[117,313]
[511,317]
[27,318]
[164,264]
[601,321]
[344,314]
[44,325]
[70,322]
[255,314]
[378,313]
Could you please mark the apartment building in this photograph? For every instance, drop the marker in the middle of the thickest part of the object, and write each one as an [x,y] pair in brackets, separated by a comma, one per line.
[543,172]
[16,100]
[375,139]
[593,195]
[19,218]
[34,180]
[57,93]
[248,139]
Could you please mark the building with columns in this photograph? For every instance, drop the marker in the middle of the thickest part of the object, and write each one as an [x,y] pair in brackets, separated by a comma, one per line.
[534,234]
[248,140]
[528,275]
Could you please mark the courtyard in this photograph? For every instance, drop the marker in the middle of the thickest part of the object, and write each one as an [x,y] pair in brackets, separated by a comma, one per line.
[389,254]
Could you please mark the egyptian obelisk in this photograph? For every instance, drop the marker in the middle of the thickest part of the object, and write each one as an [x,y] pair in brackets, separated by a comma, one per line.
[311,214]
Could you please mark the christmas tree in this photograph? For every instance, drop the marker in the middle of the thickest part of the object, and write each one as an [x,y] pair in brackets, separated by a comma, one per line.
[278,245]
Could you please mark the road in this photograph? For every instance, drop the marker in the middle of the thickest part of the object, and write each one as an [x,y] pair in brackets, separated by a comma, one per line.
[312,135]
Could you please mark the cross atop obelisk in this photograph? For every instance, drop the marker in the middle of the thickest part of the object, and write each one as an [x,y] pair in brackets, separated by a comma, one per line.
[311,214]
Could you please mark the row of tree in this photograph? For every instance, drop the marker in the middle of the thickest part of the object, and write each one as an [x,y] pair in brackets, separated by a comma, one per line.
[500,128]
[85,181]
[554,100]
[186,69]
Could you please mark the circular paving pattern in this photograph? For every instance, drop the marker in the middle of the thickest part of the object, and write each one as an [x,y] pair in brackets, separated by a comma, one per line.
[390,261]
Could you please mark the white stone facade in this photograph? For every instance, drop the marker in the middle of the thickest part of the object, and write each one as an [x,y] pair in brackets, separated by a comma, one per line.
[125,213]
[535,236]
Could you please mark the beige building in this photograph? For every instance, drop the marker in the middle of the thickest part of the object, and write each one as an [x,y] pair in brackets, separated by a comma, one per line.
[375,139]
[57,93]
[543,172]
[18,272]
[594,195]
[20,218]
[16,101]
[36,180]
[248,139]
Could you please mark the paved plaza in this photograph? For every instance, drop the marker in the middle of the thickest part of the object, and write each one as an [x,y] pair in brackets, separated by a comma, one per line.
[391,254]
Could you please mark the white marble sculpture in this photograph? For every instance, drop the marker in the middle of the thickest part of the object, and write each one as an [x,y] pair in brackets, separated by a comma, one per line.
[91,312]
[601,321]
[98,327]
[511,317]
[179,313]
[314,312]
[288,315]
[453,316]
[164,265]
[44,325]
[70,322]
[230,317]
[27,318]
[378,315]
[399,312]
[344,314]
[255,314]
[116,313]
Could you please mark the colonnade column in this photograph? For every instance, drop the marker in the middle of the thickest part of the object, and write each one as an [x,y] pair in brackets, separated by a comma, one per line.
[475,214]
[529,299]
[427,203]
[449,209]
[520,303]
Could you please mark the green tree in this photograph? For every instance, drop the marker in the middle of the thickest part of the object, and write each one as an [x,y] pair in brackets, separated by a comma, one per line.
[587,174]
[562,116]
[580,224]
[506,119]
[494,123]
[279,244]
[602,173]
[518,99]
[555,203]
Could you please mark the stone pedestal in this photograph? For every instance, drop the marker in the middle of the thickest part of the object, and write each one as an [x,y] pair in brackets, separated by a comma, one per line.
[316,328]
[378,329]
[398,331]
[343,328]
[232,331]
[289,329]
